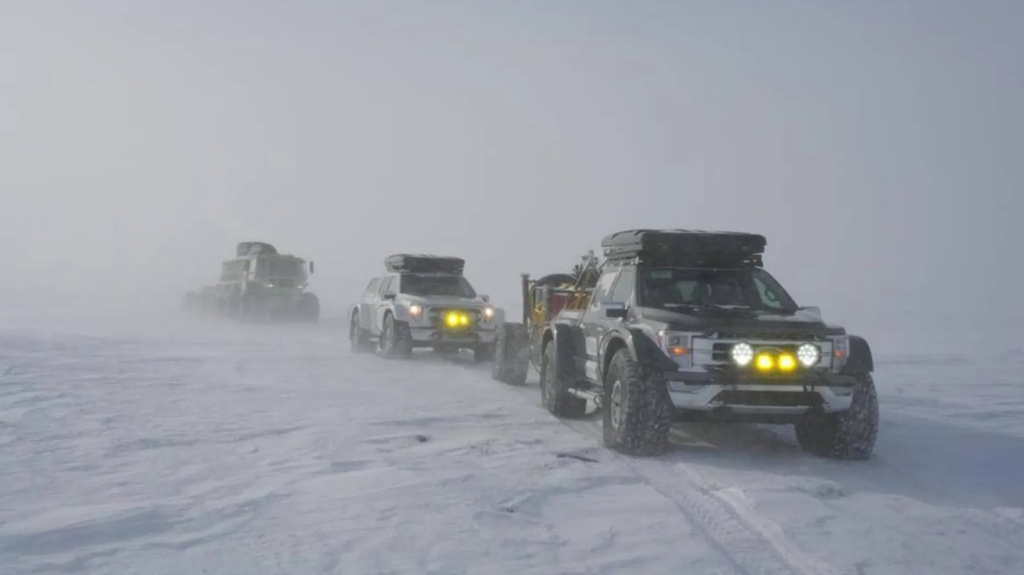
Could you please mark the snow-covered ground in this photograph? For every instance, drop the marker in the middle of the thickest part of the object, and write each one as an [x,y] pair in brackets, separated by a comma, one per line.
[213,448]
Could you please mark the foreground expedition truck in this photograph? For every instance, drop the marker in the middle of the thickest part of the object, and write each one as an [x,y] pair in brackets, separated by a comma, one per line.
[423,301]
[259,283]
[689,325]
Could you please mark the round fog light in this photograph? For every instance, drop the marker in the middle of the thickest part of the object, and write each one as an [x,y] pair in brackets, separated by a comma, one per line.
[742,354]
[808,354]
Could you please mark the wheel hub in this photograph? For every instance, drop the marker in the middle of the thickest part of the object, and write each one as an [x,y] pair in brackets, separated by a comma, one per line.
[385,338]
[615,406]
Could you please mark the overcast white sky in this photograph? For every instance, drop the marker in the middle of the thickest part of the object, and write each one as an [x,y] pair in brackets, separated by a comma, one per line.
[878,146]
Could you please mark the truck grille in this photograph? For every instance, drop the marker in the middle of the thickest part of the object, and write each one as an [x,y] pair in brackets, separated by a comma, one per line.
[715,351]
[720,351]
[436,315]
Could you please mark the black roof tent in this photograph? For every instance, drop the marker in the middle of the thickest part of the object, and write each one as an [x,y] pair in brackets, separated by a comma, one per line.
[424,263]
[686,248]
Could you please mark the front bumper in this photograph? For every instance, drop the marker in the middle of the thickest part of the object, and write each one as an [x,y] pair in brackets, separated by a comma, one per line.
[430,335]
[728,393]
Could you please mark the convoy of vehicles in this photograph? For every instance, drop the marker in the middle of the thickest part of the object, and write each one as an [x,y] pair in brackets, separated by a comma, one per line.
[673,324]
[259,283]
[423,301]
[686,324]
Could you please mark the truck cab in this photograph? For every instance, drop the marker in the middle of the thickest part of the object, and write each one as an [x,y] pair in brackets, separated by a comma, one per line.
[689,325]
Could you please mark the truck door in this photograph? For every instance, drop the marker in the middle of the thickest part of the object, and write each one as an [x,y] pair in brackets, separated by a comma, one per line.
[388,287]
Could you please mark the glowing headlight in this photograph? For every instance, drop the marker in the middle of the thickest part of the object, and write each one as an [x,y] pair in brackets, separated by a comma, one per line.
[489,312]
[787,362]
[765,362]
[415,309]
[456,319]
[742,354]
[809,355]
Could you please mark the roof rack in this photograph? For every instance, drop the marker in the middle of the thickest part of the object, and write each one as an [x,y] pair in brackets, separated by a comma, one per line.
[690,248]
[424,263]
[254,247]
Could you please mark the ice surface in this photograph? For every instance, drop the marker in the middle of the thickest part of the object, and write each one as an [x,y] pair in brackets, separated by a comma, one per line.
[214,448]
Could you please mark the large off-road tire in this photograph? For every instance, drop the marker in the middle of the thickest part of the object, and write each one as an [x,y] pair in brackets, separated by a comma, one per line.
[359,338]
[395,340]
[637,408]
[556,280]
[849,434]
[309,308]
[250,307]
[554,387]
[511,362]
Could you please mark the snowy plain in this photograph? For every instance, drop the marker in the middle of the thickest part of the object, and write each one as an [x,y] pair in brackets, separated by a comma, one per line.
[188,448]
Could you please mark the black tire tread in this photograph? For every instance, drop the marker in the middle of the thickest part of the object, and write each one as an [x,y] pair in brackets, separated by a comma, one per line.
[848,435]
[510,364]
[648,413]
[555,385]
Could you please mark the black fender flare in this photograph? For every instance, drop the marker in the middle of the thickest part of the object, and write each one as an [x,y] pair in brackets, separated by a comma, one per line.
[560,336]
[642,348]
[860,362]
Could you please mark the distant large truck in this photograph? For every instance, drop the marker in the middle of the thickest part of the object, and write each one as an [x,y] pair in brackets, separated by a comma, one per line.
[259,283]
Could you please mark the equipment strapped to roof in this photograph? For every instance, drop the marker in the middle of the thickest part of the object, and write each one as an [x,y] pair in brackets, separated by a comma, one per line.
[694,248]
[424,263]
[247,248]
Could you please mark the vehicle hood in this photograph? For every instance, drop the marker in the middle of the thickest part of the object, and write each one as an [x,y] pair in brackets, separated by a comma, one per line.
[740,322]
[431,301]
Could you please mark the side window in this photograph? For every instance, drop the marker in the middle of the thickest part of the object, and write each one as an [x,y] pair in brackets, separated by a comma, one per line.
[603,288]
[623,291]
[389,286]
[374,284]
[768,297]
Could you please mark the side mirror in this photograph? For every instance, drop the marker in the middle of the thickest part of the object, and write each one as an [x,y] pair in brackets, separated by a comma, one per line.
[486,298]
[312,267]
[613,310]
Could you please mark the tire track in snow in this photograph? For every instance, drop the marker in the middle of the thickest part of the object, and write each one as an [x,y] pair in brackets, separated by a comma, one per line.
[753,543]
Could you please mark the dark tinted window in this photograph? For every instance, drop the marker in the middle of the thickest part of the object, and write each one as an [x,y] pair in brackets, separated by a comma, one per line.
[750,288]
[436,285]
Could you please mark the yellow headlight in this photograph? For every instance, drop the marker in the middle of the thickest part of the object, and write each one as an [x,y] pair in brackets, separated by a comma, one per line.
[455,319]
[764,362]
[787,362]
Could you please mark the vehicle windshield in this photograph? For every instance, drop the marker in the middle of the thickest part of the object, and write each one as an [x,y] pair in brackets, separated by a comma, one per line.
[436,285]
[753,289]
[289,268]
